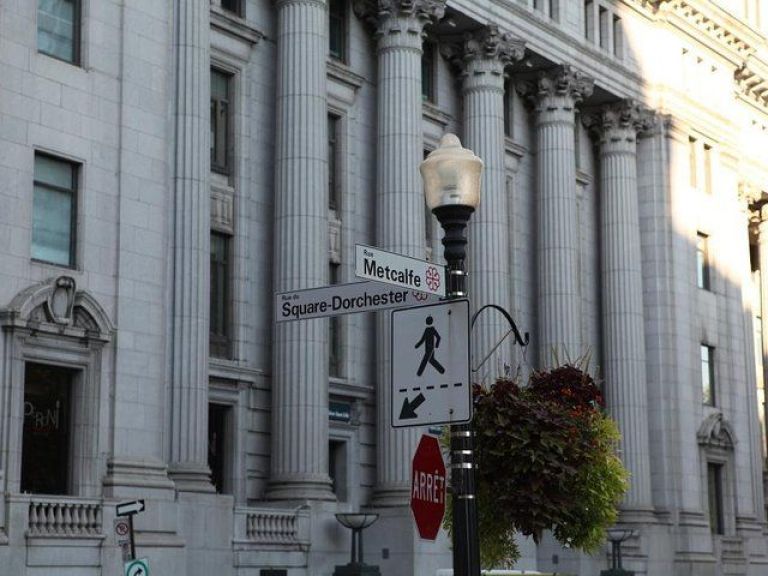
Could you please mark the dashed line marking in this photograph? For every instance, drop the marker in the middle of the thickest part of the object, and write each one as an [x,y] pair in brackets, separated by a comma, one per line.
[419,388]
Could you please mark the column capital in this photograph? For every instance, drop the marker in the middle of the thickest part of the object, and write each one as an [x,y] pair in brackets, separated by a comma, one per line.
[397,16]
[485,50]
[558,83]
[622,120]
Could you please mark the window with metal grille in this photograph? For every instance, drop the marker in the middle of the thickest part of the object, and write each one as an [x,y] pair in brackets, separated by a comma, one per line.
[337,29]
[220,305]
[221,122]
[708,374]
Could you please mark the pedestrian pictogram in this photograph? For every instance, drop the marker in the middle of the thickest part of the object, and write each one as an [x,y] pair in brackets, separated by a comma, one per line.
[431,341]
[428,487]
[430,364]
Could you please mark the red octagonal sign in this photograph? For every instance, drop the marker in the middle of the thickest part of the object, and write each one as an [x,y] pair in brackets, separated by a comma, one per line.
[428,487]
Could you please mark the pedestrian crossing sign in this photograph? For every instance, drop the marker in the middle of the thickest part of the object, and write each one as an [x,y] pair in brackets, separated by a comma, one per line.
[430,365]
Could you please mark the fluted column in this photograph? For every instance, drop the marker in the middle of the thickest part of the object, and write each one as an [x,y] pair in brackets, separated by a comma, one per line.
[300,359]
[555,95]
[191,249]
[616,127]
[762,253]
[400,201]
[482,59]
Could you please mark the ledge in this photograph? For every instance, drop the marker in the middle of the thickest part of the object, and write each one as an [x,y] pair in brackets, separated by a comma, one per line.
[234,26]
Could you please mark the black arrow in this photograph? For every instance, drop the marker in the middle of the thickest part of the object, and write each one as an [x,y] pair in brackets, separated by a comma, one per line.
[408,410]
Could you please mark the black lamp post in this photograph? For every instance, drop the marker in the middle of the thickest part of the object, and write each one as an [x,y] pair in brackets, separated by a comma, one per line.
[357,522]
[451,177]
[616,536]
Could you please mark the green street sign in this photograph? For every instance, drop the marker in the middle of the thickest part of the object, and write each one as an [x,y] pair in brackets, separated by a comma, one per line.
[138,567]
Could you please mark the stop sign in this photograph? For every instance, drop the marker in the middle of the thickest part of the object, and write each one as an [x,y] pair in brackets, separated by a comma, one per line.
[428,487]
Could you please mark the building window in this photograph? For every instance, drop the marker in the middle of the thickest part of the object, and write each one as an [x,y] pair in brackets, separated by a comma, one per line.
[219,441]
[221,122]
[703,267]
[708,374]
[428,66]
[337,468]
[715,495]
[234,6]
[618,37]
[693,162]
[508,103]
[54,211]
[58,29]
[589,20]
[334,331]
[337,29]
[707,168]
[45,458]
[603,18]
[334,196]
[220,332]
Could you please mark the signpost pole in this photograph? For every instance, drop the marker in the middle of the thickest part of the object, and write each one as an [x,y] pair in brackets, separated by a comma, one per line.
[133,543]
[451,176]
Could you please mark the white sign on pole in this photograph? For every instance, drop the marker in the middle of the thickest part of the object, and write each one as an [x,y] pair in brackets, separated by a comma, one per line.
[430,365]
[345,299]
[390,268]
[123,537]
[138,567]
[129,508]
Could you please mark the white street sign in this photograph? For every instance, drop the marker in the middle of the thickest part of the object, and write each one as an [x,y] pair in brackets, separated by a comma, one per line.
[390,268]
[345,299]
[122,530]
[138,567]
[129,508]
[430,365]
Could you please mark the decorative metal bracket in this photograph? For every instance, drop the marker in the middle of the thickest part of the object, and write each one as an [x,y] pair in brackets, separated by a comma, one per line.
[521,340]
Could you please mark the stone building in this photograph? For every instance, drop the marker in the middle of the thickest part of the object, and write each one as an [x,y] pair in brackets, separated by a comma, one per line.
[168,166]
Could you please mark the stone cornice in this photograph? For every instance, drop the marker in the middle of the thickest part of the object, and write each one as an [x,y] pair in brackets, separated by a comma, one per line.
[709,24]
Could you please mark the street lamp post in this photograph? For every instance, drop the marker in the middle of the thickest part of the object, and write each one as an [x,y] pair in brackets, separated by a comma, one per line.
[357,522]
[451,177]
[616,536]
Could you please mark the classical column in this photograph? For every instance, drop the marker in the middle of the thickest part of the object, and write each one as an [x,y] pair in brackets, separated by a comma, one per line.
[188,465]
[400,200]
[555,95]
[762,253]
[616,127]
[482,59]
[300,358]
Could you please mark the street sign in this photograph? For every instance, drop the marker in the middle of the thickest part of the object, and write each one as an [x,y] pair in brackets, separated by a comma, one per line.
[344,299]
[391,268]
[138,567]
[123,537]
[428,487]
[130,508]
[430,365]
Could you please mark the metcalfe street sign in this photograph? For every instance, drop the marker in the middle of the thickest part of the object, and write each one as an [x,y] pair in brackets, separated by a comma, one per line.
[430,365]
[390,268]
[345,299]
[428,487]
[130,508]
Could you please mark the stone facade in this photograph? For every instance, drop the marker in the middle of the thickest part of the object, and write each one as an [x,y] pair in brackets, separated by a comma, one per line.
[623,217]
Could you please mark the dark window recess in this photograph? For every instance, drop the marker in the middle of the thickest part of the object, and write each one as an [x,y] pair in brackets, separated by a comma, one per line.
[220,314]
[337,468]
[715,494]
[334,331]
[221,122]
[47,429]
[234,6]
[58,29]
[334,201]
[708,374]
[337,33]
[218,426]
[54,211]
[703,268]
[508,109]
[428,63]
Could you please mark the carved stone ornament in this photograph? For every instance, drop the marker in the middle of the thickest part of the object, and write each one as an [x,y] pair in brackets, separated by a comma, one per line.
[611,120]
[716,432]
[487,43]
[378,13]
[61,300]
[561,81]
